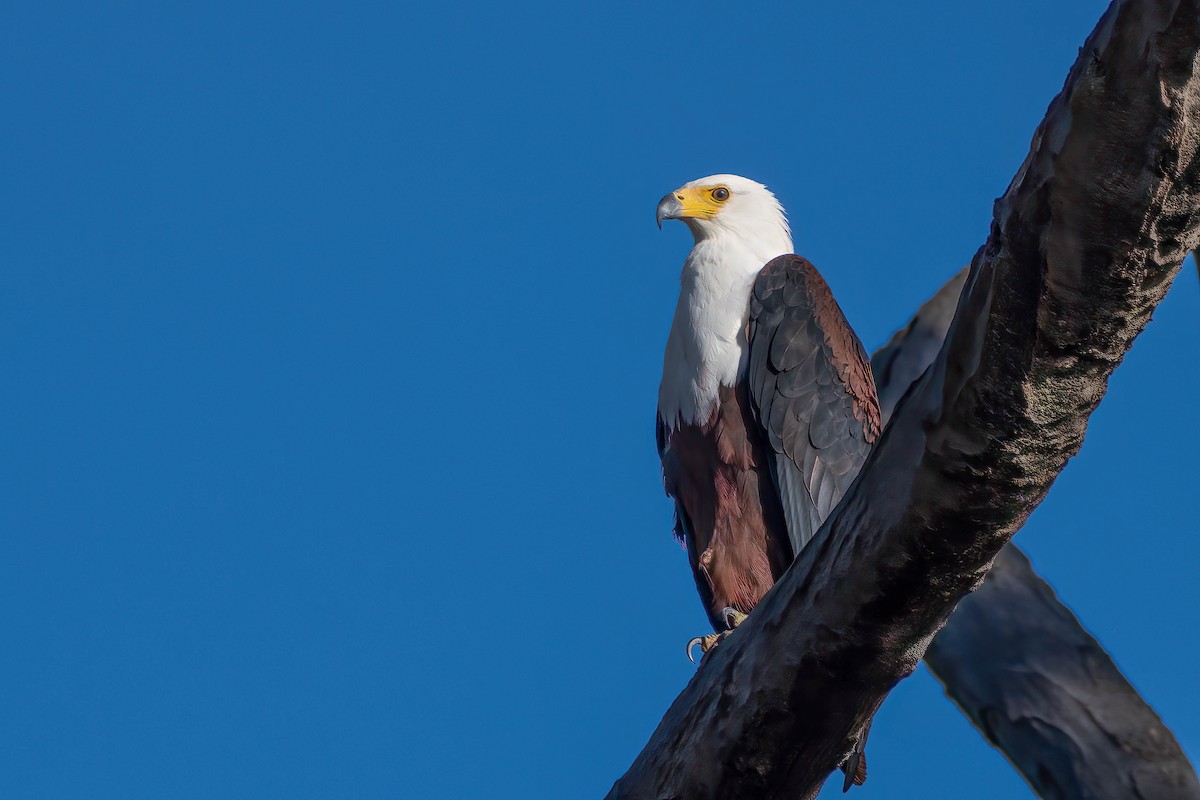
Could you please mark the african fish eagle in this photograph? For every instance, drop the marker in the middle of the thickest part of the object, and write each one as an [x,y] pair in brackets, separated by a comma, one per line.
[767,407]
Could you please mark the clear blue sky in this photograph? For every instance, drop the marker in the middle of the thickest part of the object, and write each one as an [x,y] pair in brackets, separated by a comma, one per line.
[330,339]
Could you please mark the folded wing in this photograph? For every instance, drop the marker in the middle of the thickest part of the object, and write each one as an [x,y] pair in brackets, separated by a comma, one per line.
[811,390]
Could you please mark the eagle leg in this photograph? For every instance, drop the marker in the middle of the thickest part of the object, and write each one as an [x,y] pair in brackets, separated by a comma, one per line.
[732,618]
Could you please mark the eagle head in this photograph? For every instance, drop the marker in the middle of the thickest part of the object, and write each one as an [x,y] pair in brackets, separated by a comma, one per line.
[724,204]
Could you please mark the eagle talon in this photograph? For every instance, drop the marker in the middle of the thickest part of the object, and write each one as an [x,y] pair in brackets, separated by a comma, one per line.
[732,617]
[706,643]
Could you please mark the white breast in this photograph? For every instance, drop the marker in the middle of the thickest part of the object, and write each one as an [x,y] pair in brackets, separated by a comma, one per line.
[706,347]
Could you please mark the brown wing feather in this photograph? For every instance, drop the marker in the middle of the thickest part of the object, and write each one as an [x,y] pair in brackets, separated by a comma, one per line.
[812,392]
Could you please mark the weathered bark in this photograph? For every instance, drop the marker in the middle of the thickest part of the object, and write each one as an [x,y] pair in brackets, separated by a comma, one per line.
[1017,662]
[1043,691]
[1083,245]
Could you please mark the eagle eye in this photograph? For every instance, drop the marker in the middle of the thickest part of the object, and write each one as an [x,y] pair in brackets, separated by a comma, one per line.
[720,194]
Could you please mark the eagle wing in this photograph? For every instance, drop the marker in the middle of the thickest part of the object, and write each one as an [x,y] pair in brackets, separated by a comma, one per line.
[811,390]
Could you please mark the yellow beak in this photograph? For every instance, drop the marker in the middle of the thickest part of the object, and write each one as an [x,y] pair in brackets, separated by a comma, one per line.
[688,202]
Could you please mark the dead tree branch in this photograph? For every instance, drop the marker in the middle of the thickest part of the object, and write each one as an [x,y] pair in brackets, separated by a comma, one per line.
[1044,692]
[1017,662]
[1084,244]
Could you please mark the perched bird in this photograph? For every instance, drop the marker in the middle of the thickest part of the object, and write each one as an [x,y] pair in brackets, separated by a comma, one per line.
[767,407]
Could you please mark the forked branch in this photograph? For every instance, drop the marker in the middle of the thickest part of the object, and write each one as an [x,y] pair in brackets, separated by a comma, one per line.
[1083,245]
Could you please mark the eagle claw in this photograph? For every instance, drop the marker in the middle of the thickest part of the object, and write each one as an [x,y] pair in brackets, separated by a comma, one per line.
[706,643]
[732,618]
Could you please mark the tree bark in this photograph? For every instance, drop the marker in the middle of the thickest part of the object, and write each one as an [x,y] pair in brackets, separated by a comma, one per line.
[1017,662]
[1083,245]
[1043,691]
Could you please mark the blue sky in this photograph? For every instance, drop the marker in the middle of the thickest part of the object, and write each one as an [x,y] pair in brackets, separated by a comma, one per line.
[331,337]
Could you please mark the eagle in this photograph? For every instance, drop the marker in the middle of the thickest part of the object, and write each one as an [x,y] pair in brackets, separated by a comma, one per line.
[767,406]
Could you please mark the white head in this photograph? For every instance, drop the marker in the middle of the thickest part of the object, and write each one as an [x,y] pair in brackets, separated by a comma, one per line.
[729,205]
[739,226]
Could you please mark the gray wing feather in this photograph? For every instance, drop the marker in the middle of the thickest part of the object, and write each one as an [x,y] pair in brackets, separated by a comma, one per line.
[811,390]
[799,510]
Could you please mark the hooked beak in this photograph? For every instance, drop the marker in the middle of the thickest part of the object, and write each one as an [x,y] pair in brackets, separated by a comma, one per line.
[668,208]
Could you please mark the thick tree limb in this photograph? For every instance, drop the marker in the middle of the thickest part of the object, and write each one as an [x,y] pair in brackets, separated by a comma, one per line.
[1083,245]
[1017,662]
[1044,692]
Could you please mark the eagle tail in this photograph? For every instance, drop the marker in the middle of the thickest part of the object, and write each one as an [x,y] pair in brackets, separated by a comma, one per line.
[855,765]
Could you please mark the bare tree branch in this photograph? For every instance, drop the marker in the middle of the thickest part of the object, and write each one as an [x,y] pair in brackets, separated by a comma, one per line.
[1083,245]
[1044,692]
[1017,662]
[903,360]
